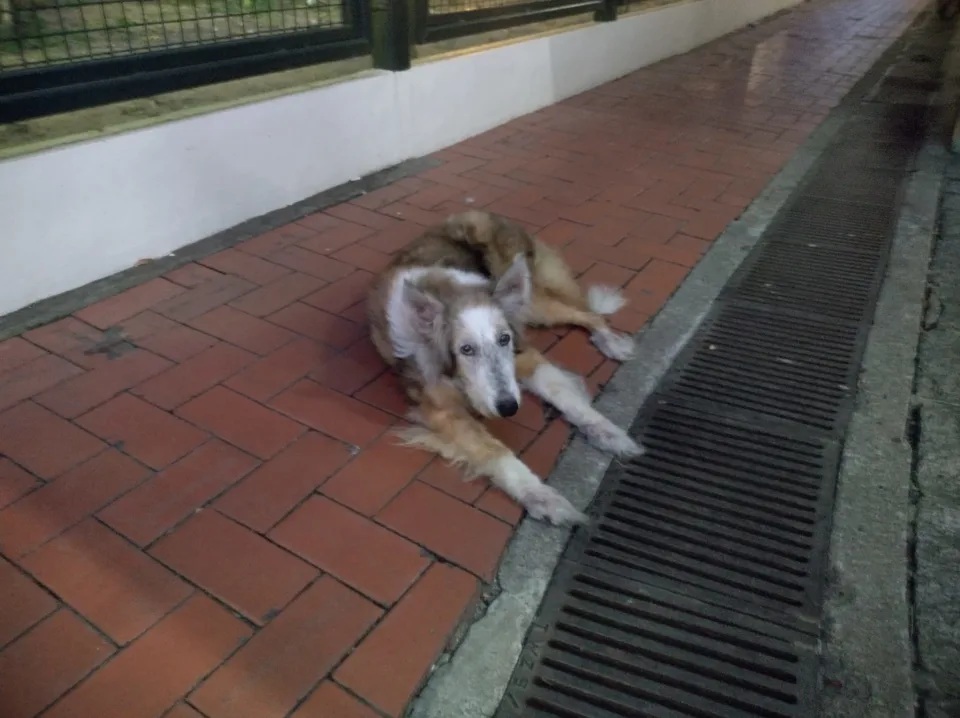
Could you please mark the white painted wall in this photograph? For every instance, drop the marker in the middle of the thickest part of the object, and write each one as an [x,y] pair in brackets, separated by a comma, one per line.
[71,215]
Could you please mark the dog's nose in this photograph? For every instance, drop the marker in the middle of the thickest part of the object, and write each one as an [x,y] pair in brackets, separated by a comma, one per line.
[507,407]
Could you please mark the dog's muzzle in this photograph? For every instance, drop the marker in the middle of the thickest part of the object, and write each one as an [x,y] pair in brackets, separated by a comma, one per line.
[507,406]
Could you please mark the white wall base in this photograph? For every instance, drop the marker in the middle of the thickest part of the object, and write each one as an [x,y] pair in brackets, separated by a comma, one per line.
[78,213]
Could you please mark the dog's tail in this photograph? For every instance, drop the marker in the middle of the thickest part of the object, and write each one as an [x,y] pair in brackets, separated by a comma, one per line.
[605,300]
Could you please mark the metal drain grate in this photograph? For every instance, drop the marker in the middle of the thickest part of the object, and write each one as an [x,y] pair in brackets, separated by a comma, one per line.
[786,366]
[718,505]
[870,185]
[609,648]
[695,592]
[833,224]
[809,278]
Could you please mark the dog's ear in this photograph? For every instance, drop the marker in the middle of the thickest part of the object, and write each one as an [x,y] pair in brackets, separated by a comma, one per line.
[512,292]
[425,310]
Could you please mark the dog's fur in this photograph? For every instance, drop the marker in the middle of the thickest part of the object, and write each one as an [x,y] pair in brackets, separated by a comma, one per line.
[449,314]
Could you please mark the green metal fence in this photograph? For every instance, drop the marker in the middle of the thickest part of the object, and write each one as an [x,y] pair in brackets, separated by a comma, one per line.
[59,55]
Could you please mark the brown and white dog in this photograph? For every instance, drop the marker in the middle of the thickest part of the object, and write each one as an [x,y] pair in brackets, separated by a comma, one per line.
[448,315]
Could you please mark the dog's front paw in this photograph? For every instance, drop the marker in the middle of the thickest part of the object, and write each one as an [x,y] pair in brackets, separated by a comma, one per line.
[608,437]
[546,504]
[613,344]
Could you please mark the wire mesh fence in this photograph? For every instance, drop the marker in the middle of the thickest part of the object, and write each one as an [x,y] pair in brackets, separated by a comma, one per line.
[62,55]
[42,32]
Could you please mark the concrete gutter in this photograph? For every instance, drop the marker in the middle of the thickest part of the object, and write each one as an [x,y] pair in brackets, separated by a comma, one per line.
[470,681]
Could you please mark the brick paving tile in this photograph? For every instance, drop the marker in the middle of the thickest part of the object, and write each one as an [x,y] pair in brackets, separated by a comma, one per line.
[165,337]
[44,663]
[331,701]
[246,331]
[385,393]
[264,346]
[15,482]
[112,310]
[22,602]
[376,475]
[191,275]
[281,664]
[159,667]
[332,413]
[194,376]
[242,422]
[516,436]
[183,710]
[268,376]
[369,260]
[352,548]
[342,293]
[170,496]
[544,451]
[451,529]
[203,297]
[364,217]
[278,485]
[42,442]
[277,239]
[66,501]
[498,504]
[318,324]
[245,266]
[35,376]
[335,237]
[393,238]
[145,432]
[389,665]
[275,296]
[352,369]
[75,396]
[448,478]
[239,567]
[17,351]
[107,580]
[312,263]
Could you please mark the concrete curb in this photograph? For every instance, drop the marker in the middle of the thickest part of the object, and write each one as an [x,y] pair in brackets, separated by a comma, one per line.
[470,681]
[869,652]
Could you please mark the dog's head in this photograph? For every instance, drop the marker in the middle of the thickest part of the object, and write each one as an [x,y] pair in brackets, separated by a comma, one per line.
[477,332]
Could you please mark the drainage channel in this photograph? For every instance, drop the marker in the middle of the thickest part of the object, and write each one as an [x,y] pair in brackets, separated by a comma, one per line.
[696,590]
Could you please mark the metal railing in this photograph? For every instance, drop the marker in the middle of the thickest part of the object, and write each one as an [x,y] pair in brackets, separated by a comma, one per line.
[444,19]
[61,55]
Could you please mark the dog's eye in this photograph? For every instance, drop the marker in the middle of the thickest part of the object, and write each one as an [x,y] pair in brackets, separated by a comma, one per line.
[504,339]
[466,350]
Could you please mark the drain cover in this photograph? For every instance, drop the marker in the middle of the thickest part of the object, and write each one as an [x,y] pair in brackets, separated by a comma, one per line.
[696,589]
[609,648]
[716,508]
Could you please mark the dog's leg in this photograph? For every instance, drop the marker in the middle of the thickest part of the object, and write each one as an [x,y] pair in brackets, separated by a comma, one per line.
[567,392]
[558,299]
[451,431]
[546,311]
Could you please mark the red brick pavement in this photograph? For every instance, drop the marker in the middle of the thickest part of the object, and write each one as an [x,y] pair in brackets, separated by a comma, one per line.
[209,517]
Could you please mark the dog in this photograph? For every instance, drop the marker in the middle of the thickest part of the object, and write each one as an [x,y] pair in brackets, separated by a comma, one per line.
[449,315]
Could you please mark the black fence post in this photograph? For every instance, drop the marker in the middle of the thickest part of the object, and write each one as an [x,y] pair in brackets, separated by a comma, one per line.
[607,11]
[390,34]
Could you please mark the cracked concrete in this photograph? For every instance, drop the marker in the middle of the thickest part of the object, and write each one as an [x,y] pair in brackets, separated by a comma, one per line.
[937,546]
